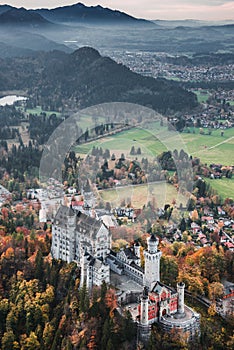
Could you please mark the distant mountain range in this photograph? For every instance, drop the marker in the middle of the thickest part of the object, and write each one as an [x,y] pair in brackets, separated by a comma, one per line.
[85,78]
[14,16]
[69,27]
[78,13]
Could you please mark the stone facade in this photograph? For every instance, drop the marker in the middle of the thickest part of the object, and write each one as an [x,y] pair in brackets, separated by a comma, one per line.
[79,237]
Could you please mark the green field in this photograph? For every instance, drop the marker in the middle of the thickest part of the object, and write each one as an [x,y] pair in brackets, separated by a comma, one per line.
[83,121]
[202,95]
[212,148]
[139,195]
[224,187]
[38,110]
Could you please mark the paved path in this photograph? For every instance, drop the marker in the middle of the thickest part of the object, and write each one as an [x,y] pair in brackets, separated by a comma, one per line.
[220,143]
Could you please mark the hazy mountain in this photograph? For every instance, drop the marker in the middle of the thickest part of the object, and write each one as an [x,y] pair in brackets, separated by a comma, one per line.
[23,41]
[190,23]
[85,78]
[13,51]
[93,14]
[22,17]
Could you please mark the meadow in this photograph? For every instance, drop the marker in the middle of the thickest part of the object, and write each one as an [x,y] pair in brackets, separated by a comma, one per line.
[140,195]
[202,95]
[38,110]
[212,148]
[224,186]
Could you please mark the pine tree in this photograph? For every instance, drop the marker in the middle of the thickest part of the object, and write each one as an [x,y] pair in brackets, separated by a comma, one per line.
[132,152]
[39,268]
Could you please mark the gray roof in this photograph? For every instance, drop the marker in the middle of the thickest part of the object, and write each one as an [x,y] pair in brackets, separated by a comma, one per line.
[135,266]
[130,254]
[84,223]
[87,224]
[62,215]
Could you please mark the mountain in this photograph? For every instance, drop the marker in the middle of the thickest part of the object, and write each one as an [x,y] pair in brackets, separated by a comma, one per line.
[85,78]
[25,42]
[4,8]
[13,51]
[93,14]
[21,16]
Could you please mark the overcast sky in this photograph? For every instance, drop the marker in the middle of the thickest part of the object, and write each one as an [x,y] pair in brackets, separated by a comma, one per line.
[150,9]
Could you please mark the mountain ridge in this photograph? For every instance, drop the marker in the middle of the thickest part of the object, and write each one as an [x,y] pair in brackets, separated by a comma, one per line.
[81,13]
[84,14]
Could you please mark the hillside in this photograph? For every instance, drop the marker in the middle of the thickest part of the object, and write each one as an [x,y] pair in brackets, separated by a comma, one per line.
[86,78]
[17,41]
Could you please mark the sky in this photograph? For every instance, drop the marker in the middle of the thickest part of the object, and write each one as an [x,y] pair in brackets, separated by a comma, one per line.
[149,9]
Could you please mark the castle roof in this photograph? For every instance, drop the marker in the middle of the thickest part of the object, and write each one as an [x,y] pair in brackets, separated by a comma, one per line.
[135,266]
[85,224]
[130,254]
[62,214]
[159,286]
[153,238]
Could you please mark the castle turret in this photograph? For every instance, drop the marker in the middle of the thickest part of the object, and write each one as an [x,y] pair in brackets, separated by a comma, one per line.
[180,291]
[143,326]
[144,320]
[84,262]
[137,249]
[71,226]
[152,262]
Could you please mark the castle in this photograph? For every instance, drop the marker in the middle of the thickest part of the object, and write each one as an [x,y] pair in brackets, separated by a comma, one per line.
[79,237]
[83,237]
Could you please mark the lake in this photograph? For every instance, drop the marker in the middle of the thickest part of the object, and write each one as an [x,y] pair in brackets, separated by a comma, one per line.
[11,99]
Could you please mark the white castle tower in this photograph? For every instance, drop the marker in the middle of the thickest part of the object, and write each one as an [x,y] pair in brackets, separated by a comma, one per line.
[144,308]
[137,252]
[84,262]
[152,263]
[144,326]
[71,226]
[180,308]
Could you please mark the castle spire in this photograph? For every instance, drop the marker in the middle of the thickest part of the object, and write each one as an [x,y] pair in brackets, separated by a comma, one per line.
[152,262]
